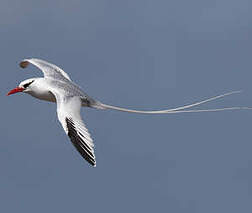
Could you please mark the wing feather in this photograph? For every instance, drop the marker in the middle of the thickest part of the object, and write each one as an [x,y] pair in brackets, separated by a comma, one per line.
[68,110]
[79,142]
[49,70]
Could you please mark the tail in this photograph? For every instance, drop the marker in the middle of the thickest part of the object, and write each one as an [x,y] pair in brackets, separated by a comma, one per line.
[178,109]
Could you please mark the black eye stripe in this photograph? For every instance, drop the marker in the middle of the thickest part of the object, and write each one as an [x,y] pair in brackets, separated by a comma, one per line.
[28,84]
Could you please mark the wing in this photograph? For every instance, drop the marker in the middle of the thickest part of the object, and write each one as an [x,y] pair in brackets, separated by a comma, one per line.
[49,70]
[68,110]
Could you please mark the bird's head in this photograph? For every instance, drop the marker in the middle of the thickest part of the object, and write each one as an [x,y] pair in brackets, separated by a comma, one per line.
[24,86]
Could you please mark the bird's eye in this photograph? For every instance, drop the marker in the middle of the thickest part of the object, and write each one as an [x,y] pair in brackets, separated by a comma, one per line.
[27,84]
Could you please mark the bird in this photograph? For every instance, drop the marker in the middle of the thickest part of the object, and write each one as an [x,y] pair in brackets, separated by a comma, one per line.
[57,86]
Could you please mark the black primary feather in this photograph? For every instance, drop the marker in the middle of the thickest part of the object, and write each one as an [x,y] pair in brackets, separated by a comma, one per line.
[79,143]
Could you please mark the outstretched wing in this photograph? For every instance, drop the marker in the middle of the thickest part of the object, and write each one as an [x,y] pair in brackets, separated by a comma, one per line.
[68,110]
[49,70]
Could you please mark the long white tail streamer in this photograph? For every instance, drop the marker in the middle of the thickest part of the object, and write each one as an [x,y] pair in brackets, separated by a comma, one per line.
[182,108]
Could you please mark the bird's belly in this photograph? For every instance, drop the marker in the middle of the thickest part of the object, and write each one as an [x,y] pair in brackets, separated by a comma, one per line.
[44,95]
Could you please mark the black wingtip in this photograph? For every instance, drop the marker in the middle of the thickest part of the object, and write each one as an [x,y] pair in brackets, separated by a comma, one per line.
[78,143]
[24,64]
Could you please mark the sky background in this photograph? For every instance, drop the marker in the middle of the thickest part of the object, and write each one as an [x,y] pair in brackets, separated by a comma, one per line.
[140,54]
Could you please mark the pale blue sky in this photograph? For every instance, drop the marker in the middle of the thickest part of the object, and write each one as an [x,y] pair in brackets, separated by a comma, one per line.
[140,54]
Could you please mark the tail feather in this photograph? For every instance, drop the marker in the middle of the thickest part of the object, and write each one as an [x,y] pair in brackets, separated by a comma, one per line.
[178,109]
